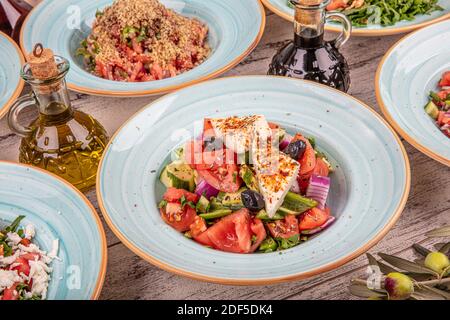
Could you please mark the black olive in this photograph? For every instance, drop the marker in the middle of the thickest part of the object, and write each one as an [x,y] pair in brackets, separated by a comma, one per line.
[296,149]
[212,143]
[252,200]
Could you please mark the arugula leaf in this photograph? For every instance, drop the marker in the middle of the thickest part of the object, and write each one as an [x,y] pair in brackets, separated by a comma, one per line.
[162,204]
[288,243]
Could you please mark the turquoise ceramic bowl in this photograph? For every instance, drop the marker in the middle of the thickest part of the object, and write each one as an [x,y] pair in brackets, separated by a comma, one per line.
[406,75]
[235,29]
[369,189]
[11,84]
[58,211]
[281,8]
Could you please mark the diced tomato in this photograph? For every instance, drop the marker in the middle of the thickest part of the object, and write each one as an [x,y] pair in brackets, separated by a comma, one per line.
[337,4]
[285,228]
[232,233]
[25,242]
[177,217]
[259,231]
[217,167]
[321,168]
[30,256]
[137,47]
[273,125]
[101,69]
[22,266]
[1,250]
[199,159]
[445,81]
[443,118]
[224,178]
[11,293]
[303,182]
[199,231]
[314,218]
[136,70]
[443,94]
[308,160]
[203,239]
[156,71]
[175,195]
[198,227]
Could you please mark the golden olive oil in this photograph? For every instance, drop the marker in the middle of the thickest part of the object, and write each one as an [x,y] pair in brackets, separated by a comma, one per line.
[69,144]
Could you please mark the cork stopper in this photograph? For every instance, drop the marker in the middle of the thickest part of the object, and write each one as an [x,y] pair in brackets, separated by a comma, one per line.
[309,17]
[42,63]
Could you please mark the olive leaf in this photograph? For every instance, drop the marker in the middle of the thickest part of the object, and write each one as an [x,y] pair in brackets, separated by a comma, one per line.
[384,268]
[406,265]
[362,291]
[445,248]
[421,294]
[440,232]
[431,290]
[421,250]
[420,276]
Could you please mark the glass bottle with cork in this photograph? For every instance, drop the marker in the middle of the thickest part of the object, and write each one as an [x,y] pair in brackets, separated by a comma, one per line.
[309,56]
[64,141]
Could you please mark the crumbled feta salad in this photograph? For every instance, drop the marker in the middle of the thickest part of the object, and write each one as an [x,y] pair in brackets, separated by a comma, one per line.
[24,268]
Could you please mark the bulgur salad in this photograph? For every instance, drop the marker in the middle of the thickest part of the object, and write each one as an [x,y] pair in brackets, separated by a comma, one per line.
[24,268]
[142,40]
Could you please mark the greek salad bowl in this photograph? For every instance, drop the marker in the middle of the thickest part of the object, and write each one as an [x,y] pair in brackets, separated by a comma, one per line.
[52,242]
[341,181]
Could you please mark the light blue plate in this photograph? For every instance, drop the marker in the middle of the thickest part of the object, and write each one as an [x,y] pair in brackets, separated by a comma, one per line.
[235,29]
[58,211]
[369,188]
[406,75]
[281,8]
[11,84]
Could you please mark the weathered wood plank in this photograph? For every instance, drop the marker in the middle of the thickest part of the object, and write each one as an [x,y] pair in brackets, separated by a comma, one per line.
[129,277]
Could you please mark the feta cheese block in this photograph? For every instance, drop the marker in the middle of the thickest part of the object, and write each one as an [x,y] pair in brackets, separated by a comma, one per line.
[237,132]
[275,179]
[276,172]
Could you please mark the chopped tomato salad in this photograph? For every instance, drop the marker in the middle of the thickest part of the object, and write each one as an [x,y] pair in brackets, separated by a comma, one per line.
[438,107]
[246,186]
[24,268]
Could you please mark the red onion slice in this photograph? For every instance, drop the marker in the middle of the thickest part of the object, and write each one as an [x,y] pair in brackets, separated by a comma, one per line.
[328,223]
[318,189]
[203,188]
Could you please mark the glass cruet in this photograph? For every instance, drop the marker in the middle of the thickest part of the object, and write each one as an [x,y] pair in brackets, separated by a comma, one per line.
[309,56]
[64,141]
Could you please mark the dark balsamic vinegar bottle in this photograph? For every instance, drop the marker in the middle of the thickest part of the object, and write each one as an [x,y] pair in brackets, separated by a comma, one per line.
[12,22]
[309,56]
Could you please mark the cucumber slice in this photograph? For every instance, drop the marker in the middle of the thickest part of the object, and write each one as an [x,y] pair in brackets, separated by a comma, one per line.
[432,110]
[216,214]
[203,205]
[298,204]
[178,175]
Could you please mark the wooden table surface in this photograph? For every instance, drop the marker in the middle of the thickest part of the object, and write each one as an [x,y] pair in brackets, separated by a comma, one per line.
[428,207]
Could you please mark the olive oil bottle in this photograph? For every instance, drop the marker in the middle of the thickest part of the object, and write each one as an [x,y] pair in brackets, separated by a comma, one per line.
[64,141]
